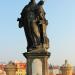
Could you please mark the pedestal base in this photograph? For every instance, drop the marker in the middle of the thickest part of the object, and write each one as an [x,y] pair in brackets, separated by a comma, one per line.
[37,62]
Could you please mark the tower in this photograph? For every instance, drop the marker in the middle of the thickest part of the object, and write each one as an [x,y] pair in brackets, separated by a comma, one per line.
[10,68]
[66,69]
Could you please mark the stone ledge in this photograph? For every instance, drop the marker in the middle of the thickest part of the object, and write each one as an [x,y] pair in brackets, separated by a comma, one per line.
[43,53]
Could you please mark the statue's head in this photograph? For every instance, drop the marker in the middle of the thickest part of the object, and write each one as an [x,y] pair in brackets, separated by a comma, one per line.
[33,1]
[41,2]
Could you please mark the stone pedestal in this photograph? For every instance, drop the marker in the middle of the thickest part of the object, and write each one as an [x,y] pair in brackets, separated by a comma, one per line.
[37,62]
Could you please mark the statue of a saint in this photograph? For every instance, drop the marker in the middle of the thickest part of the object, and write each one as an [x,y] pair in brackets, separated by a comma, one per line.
[34,22]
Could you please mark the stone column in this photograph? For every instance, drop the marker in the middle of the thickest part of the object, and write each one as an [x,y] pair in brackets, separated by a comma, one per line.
[37,62]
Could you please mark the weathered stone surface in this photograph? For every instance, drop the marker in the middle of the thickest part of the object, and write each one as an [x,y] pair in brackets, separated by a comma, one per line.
[34,23]
[41,56]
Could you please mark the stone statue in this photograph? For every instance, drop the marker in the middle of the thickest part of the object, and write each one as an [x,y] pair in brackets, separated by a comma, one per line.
[34,22]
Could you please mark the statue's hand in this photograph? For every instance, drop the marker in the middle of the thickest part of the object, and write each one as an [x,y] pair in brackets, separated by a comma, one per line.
[18,19]
[20,26]
[20,22]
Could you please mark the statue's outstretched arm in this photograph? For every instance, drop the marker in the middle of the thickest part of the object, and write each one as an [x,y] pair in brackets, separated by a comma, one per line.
[20,22]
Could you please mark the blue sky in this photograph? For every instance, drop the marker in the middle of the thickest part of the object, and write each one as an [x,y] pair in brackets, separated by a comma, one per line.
[61,30]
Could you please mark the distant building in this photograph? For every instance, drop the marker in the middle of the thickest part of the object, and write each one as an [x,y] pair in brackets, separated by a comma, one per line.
[73,69]
[2,72]
[66,69]
[53,70]
[10,68]
[50,69]
[2,66]
[21,68]
[73,74]
[58,74]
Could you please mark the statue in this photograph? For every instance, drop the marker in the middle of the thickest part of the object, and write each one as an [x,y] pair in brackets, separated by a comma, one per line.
[34,23]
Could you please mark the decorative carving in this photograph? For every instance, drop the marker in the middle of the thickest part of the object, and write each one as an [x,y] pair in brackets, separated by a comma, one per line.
[34,22]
